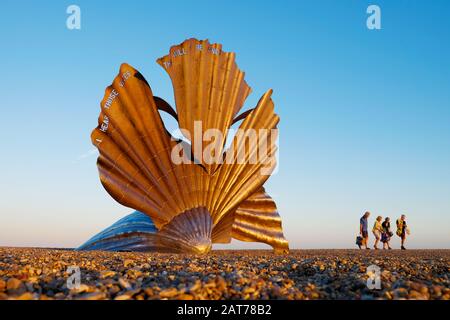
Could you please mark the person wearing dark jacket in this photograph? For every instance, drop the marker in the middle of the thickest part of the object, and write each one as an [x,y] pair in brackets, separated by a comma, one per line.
[386,234]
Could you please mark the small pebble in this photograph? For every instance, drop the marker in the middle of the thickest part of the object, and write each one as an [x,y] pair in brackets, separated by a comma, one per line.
[13,284]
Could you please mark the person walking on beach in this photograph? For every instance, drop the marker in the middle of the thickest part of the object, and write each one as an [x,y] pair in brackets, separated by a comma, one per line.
[402,230]
[387,233]
[377,230]
[363,229]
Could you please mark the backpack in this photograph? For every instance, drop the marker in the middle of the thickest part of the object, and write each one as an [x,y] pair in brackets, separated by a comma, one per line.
[399,227]
[359,240]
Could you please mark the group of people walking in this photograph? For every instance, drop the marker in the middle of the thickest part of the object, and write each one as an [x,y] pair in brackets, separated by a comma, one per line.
[382,231]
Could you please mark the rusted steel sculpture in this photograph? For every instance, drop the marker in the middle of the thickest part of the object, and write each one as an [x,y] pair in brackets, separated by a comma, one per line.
[185,206]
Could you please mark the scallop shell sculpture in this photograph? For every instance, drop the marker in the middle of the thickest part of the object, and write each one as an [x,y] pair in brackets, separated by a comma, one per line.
[185,206]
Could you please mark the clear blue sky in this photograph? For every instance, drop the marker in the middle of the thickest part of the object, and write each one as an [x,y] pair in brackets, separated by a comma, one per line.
[365,115]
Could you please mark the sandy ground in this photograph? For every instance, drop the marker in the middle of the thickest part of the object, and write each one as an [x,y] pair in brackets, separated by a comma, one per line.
[302,274]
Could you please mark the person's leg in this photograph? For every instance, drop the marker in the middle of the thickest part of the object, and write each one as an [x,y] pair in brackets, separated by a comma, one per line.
[367,240]
[376,240]
[364,240]
[403,242]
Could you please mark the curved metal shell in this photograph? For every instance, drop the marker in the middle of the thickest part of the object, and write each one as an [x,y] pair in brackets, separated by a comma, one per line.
[188,232]
[235,182]
[135,163]
[135,232]
[257,220]
[208,87]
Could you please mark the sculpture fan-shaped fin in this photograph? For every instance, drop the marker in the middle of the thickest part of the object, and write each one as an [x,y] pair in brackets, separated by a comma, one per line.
[209,88]
[257,220]
[134,163]
[251,164]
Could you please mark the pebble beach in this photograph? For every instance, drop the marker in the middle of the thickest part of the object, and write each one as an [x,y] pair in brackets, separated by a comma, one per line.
[42,274]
